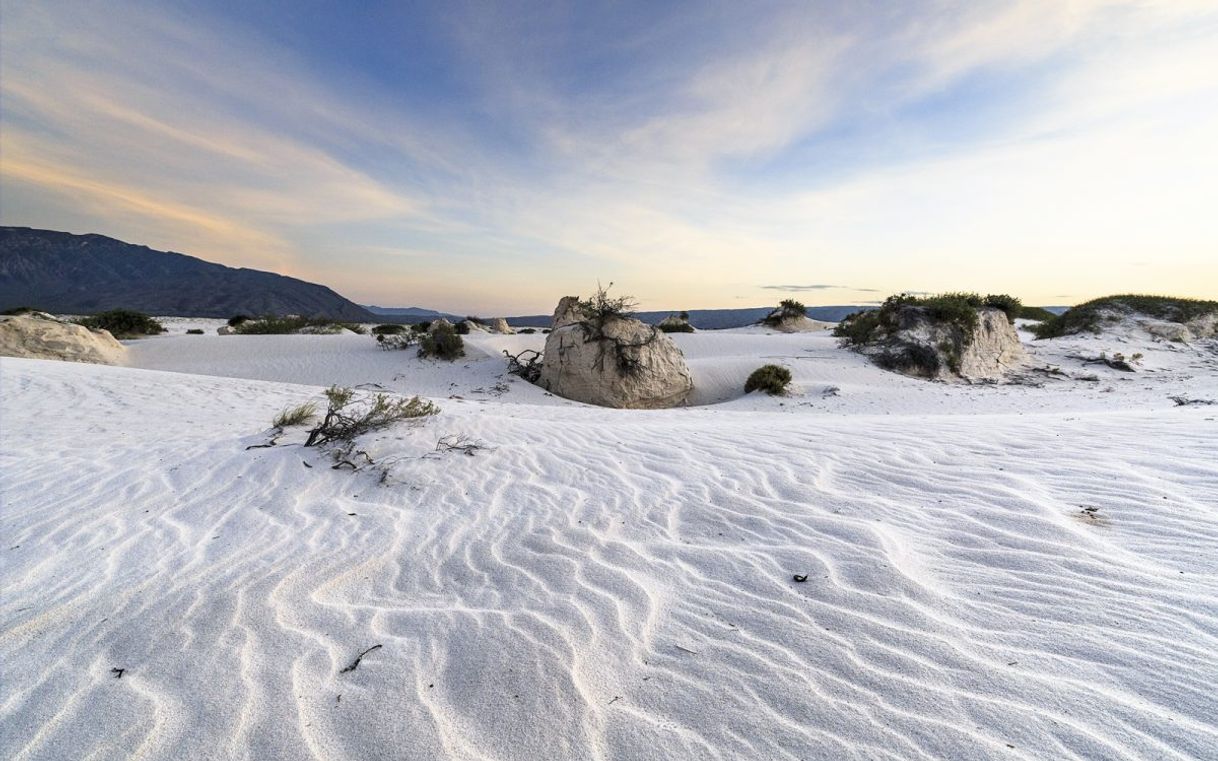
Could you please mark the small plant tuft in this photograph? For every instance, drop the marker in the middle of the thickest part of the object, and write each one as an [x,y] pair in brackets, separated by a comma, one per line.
[772,379]
[298,415]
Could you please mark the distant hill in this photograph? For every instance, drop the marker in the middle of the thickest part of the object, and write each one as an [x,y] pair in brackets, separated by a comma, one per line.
[712,319]
[410,314]
[66,273]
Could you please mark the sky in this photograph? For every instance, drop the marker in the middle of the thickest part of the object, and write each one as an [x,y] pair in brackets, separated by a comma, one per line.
[492,157]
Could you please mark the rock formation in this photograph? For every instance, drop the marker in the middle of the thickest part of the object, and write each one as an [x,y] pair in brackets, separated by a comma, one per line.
[918,344]
[36,335]
[613,361]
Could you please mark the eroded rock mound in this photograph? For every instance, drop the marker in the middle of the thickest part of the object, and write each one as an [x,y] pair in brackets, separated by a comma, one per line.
[612,361]
[499,325]
[675,323]
[933,341]
[37,335]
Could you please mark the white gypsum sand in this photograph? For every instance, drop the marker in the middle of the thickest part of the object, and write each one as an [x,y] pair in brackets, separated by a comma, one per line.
[603,583]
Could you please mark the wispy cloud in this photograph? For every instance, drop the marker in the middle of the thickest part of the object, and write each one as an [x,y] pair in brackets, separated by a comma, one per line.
[798,288]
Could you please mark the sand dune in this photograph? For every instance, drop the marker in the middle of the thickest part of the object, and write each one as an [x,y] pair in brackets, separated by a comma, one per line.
[608,584]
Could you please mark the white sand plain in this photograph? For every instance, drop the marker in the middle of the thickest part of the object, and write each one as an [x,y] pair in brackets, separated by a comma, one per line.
[609,584]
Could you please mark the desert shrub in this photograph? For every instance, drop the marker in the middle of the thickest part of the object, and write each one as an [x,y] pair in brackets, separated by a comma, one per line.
[1086,317]
[298,415]
[421,327]
[442,343]
[772,379]
[683,327]
[545,331]
[462,328]
[388,330]
[194,332]
[1009,305]
[276,325]
[787,309]
[684,315]
[123,323]
[237,319]
[1035,313]
[348,417]
[15,311]
[859,328]
[601,306]
[526,331]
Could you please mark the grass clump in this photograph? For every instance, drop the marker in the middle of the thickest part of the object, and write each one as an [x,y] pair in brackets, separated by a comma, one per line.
[194,332]
[348,417]
[442,343]
[1089,316]
[298,415]
[772,379]
[123,323]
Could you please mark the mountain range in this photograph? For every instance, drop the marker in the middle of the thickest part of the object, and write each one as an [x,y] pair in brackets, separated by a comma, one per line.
[82,274]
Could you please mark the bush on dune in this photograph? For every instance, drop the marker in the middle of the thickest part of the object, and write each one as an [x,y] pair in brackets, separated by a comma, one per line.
[788,309]
[442,343]
[1089,316]
[195,332]
[388,330]
[274,325]
[123,323]
[957,309]
[772,379]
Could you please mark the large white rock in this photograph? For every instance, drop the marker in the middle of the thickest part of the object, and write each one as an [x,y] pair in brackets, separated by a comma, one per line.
[618,362]
[921,345]
[41,336]
[566,312]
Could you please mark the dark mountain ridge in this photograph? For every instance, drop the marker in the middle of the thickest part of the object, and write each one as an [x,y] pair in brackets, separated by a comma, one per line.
[81,274]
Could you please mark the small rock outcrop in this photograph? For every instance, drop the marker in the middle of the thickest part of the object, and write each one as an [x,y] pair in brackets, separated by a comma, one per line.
[499,325]
[37,335]
[675,323]
[612,361]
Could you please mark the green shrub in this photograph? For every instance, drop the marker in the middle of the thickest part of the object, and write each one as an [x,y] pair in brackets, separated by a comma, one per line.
[859,328]
[388,330]
[237,319]
[462,328]
[683,327]
[421,327]
[298,415]
[123,323]
[1008,304]
[1035,313]
[1086,317]
[194,332]
[526,331]
[442,343]
[772,379]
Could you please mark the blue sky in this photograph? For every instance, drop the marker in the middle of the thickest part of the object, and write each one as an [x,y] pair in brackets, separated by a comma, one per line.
[491,159]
